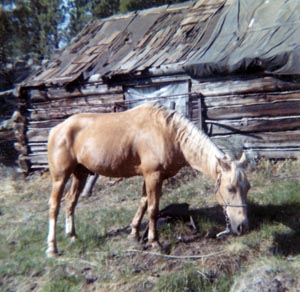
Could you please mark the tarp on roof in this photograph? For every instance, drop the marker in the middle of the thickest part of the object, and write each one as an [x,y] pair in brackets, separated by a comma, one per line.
[252,36]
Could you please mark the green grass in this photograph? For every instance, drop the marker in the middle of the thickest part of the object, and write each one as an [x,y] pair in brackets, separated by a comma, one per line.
[191,279]
[279,193]
[62,277]
[102,258]
[271,272]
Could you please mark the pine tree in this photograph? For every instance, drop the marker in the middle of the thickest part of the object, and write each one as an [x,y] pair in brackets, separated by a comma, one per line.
[5,33]
[132,5]
[79,15]
[104,8]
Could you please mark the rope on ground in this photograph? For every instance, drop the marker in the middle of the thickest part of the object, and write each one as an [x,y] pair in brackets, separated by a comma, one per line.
[177,257]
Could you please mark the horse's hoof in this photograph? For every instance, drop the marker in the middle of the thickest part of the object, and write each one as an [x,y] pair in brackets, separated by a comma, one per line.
[73,237]
[133,237]
[166,248]
[154,246]
[52,253]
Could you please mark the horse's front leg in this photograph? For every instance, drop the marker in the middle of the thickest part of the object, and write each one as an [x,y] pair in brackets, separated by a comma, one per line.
[137,219]
[77,185]
[153,189]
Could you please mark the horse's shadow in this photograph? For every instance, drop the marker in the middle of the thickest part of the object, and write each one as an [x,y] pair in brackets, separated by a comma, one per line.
[285,243]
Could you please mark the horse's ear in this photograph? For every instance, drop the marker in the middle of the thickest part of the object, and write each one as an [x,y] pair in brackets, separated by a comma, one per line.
[224,163]
[243,162]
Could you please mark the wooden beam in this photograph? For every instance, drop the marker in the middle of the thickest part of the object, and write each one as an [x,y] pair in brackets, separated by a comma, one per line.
[274,109]
[252,125]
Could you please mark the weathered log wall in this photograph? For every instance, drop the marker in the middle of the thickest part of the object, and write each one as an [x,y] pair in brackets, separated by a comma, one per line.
[262,115]
[42,109]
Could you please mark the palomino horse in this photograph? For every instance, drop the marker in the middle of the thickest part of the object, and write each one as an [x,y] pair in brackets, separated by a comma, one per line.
[148,140]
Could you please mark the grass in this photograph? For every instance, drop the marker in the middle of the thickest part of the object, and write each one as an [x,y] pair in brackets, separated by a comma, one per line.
[190,279]
[102,259]
[275,274]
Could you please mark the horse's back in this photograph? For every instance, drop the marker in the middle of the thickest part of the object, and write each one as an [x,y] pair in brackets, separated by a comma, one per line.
[113,144]
[110,125]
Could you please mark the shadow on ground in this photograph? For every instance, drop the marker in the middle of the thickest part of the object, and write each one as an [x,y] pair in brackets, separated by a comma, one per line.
[287,214]
[284,243]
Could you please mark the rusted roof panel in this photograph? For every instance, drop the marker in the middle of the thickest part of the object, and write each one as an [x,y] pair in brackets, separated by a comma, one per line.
[131,43]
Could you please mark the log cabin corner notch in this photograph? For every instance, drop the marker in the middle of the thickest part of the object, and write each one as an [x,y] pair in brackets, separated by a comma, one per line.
[237,77]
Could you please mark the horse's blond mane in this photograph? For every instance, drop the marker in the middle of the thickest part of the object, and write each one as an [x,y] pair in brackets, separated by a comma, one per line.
[197,142]
[186,132]
[188,135]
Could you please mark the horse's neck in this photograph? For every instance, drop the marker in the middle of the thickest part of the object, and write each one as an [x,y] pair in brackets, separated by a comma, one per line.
[201,153]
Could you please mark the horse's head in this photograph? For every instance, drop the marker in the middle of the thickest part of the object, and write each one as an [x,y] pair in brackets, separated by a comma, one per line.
[231,192]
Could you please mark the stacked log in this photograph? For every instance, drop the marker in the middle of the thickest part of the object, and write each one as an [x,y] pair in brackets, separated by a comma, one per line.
[262,115]
[45,108]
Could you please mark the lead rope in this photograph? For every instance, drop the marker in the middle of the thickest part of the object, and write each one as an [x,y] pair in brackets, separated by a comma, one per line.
[227,231]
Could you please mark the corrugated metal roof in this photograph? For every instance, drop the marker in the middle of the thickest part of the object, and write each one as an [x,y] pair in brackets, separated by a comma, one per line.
[131,43]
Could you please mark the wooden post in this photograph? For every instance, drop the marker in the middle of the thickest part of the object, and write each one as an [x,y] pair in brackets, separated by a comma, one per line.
[90,183]
[172,105]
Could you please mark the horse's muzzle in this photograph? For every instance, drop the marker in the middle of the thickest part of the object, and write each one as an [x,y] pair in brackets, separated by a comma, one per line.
[241,228]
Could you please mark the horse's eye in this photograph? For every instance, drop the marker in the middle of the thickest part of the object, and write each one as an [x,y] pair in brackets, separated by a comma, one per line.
[232,190]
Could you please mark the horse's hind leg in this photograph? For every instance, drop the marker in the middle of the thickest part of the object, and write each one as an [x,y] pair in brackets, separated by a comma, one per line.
[136,222]
[58,184]
[78,181]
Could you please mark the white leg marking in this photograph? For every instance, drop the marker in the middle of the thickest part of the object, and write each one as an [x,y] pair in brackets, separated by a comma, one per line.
[52,249]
